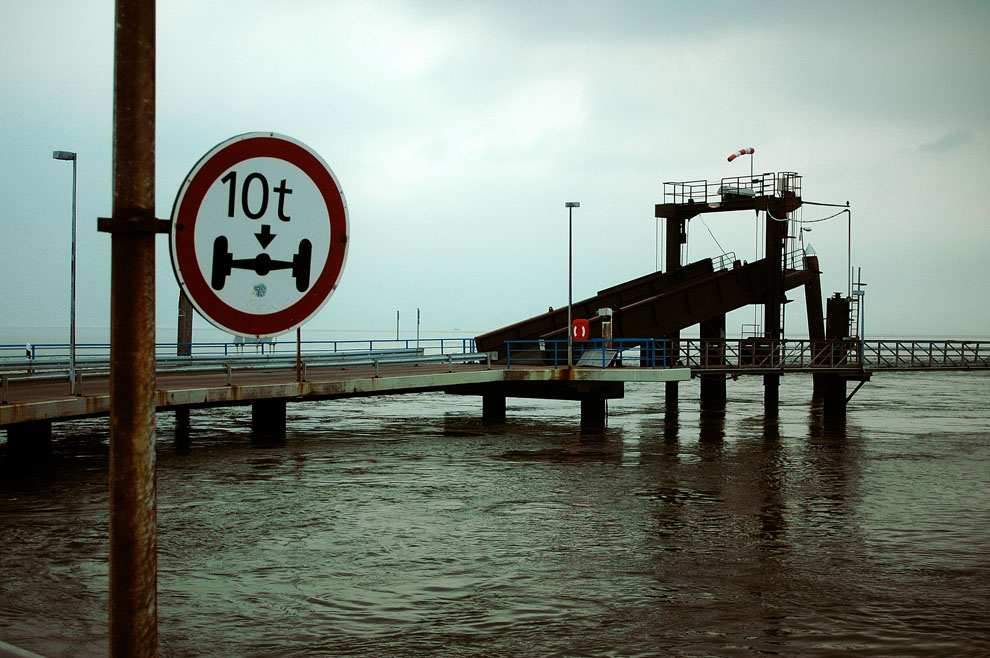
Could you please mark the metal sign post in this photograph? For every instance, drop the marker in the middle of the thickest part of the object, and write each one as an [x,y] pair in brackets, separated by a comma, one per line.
[133,495]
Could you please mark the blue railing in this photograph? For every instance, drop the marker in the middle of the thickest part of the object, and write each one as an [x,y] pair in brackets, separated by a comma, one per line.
[41,353]
[596,353]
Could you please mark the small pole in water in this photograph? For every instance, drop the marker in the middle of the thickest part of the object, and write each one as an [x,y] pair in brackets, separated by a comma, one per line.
[298,354]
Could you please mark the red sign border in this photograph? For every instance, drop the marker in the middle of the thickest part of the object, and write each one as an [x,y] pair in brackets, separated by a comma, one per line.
[212,166]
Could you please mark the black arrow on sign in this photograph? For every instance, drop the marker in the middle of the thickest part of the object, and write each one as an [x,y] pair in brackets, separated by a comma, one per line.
[265,237]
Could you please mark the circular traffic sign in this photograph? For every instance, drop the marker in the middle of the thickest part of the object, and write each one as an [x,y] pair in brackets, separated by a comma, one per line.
[259,234]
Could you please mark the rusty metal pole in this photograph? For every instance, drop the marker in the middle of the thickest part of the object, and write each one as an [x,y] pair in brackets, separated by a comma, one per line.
[676,235]
[185,331]
[133,499]
[298,354]
[776,235]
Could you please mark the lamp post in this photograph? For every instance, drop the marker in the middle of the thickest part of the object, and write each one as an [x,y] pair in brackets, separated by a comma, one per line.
[570,205]
[69,155]
[849,243]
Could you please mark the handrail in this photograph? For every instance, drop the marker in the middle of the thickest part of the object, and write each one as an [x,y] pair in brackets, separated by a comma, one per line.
[794,259]
[376,359]
[724,261]
[757,354]
[40,352]
[53,366]
[755,185]
[754,354]
[595,353]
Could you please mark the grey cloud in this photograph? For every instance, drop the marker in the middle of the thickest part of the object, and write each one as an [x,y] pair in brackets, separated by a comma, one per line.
[948,142]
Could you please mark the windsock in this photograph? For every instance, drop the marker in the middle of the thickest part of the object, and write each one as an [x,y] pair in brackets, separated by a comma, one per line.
[749,151]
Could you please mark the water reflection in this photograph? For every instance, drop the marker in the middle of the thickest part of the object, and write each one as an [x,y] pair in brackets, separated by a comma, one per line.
[711,425]
[772,482]
[825,426]
[671,424]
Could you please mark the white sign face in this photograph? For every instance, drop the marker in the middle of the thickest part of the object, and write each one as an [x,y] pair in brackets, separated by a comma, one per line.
[259,234]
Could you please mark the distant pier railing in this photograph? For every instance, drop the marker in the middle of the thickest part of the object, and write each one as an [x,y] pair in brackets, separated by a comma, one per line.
[756,354]
[914,355]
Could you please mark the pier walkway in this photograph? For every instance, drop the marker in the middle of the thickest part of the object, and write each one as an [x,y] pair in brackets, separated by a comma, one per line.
[36,392]
[37,389]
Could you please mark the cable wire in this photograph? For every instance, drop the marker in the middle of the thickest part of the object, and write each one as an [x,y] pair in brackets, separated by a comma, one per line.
[713,235]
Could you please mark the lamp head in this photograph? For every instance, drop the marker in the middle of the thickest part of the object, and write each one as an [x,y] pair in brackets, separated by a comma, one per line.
[63,155]
[572,204]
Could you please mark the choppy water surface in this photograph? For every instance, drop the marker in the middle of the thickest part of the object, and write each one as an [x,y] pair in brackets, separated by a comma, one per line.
[405,526]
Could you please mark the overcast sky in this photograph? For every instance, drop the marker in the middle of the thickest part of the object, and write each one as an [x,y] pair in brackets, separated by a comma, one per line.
[458,130]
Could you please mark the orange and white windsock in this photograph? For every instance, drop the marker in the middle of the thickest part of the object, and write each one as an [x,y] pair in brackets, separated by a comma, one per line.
[749,151]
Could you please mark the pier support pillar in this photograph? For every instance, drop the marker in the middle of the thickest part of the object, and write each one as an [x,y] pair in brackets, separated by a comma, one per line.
[835,352]
[593,412]
[29,440]
[268,421]
[185,331]
[675,229]
[713,391]
[833,391]
[771,395]
[670,397]
[493,406]
[712,333]
[182,440]
[776,234]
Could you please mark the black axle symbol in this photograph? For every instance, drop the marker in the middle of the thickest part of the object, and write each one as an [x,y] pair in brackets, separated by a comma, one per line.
[262,264]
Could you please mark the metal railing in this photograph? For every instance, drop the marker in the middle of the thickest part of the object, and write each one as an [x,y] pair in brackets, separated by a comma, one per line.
[40,353]
[732,187]
[377,360]
[920,355]
[724,261]
[746,355]
[595,353]
[759,354]
[794,259]
[52,366]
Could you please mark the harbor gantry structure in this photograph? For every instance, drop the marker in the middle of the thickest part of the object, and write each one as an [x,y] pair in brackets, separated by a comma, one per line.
[662,304]
[778,196]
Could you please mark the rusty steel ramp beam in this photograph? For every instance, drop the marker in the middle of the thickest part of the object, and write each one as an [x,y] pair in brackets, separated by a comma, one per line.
[554,321]
[732,289]
[656,305]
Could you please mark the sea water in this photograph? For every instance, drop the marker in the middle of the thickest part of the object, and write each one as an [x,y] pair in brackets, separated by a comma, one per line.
[407,526]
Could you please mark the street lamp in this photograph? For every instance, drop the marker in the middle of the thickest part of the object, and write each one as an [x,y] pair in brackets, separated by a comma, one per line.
[69,155]
[570,205]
